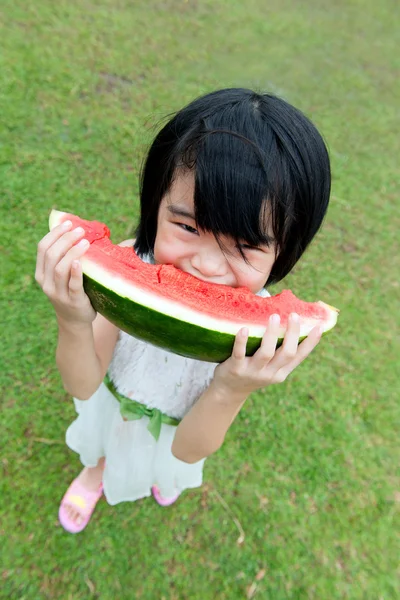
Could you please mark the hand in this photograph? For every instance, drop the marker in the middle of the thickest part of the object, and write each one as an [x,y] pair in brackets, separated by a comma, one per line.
[242,374]
[59,273]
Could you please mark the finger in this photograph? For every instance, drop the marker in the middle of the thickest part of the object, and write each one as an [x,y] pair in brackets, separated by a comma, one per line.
[65,270]
[75,285]
[56,253]
[304,349]
[289,348]
[266,351]
[48,240]
[239,347]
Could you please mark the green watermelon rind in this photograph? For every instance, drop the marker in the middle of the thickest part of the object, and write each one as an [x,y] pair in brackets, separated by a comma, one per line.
[174,335]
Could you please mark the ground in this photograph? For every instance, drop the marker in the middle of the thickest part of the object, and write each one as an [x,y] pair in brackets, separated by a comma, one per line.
[302,501]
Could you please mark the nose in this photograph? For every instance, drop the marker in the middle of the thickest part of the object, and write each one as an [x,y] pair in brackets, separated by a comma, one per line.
[209,263]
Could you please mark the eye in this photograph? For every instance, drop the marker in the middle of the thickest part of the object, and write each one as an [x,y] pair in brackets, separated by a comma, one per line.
[248,247]
[187,227]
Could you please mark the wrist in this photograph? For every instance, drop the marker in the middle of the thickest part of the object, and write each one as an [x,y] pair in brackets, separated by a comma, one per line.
[73,327]
[223,394]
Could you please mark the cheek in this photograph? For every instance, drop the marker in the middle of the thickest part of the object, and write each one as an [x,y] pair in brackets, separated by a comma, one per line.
[255,276]
[166,247]
[162,251]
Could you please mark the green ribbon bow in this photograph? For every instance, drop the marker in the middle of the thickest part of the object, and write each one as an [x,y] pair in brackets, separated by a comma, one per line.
[132,410]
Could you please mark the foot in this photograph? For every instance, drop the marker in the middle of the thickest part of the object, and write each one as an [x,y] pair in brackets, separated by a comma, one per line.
[75,505]
[160,499]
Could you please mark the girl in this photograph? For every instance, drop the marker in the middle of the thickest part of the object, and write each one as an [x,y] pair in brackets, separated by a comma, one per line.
[234,188]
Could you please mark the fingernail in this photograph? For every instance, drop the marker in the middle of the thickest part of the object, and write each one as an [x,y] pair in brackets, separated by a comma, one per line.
[83,243]
[295,318]
[274,319]
[66,224]
[245,332]
[78,231]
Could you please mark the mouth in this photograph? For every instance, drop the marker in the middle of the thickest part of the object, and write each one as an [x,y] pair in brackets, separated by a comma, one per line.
[198,276]
[206,280]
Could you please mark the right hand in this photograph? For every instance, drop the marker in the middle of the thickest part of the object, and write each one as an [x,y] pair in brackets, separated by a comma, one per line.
[59,274]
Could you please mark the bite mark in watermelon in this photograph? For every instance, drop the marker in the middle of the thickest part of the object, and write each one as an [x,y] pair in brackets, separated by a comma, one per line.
[174,310]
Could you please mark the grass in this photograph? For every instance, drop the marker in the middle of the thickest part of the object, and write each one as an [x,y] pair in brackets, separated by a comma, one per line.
[308,478]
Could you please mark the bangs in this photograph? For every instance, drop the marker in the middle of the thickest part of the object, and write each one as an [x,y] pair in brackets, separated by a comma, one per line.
[234,187]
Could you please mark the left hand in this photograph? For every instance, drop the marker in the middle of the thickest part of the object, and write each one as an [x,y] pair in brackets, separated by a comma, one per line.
[241,374]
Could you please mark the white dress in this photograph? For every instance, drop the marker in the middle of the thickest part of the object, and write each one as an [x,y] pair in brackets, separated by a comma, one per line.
[135,461]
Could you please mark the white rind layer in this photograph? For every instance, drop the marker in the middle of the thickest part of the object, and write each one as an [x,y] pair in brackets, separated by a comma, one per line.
[175,309]
[55,218]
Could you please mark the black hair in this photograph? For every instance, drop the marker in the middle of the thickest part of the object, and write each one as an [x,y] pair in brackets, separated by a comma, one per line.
[254,157]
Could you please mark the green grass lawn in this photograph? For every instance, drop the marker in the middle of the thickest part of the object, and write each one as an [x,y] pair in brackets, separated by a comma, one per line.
[302,501]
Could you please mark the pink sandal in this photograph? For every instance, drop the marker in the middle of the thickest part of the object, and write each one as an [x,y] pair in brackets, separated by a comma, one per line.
[83,500]
[160,500]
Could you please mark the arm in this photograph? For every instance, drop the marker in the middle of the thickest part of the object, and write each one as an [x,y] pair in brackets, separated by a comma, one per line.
[86,341]
[202,431]
[83,354]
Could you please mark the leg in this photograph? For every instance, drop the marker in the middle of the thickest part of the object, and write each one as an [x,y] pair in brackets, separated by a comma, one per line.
[90,478]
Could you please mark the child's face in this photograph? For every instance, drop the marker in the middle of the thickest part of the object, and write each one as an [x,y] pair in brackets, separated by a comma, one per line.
[179,243]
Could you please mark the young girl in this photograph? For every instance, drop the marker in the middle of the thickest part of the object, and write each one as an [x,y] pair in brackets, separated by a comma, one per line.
[234,188]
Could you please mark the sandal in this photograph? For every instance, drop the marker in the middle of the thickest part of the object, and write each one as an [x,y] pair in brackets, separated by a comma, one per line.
[83,500]
[160,500]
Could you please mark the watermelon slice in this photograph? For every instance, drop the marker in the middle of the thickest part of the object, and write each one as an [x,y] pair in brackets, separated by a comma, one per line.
[174,310]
